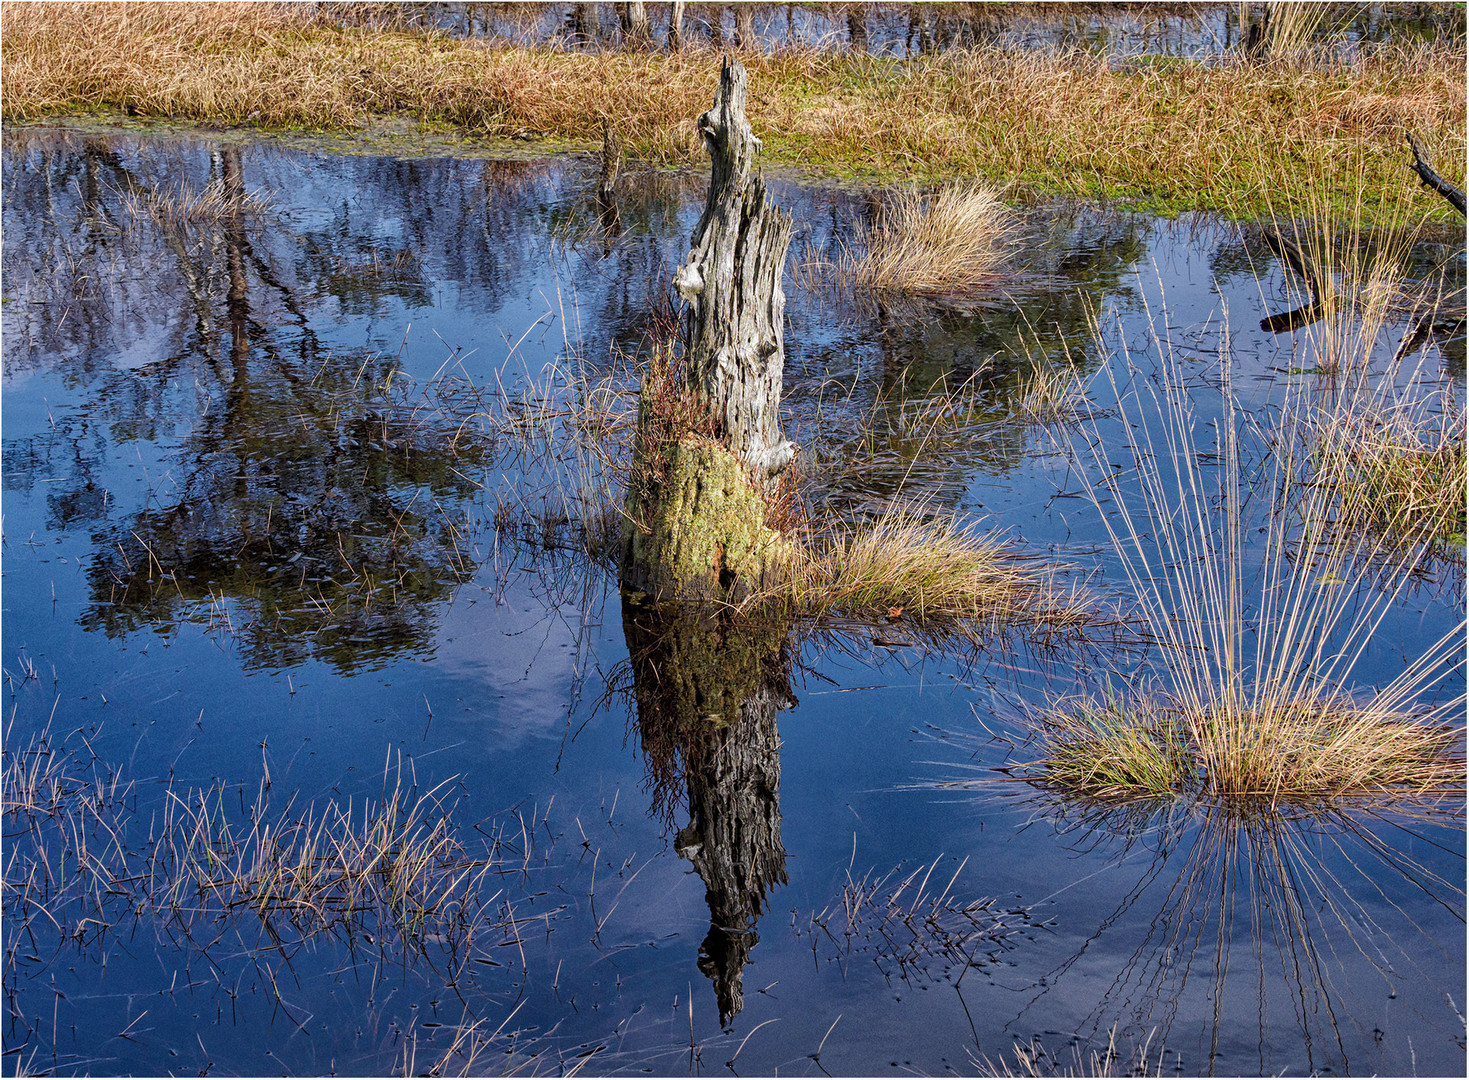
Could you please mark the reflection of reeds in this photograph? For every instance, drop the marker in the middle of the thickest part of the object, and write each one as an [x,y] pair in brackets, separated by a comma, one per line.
[908,927]
[1245,878]
[1034,1059]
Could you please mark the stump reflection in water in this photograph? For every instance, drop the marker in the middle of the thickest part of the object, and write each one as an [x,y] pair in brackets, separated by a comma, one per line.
[707,687]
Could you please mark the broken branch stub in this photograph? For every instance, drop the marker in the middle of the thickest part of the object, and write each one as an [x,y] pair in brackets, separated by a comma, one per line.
[1430,177]
[732,283]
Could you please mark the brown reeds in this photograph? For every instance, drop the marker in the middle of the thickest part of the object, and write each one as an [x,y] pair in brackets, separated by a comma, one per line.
[922,568]
[1179,135]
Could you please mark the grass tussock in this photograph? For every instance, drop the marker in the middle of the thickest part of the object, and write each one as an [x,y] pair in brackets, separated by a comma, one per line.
[1397,467]
[396,857]
[388,866]
[952,242]
[1302,749]
[1178,136]
[1260,621]
[906,564]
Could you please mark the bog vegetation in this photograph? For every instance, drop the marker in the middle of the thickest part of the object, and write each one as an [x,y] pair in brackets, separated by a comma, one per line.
[1173,136]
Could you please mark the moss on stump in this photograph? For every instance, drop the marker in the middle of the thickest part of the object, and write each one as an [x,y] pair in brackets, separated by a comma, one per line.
[702,536]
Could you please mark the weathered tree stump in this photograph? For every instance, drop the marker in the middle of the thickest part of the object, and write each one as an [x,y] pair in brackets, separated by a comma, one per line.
[732,282]
[696,515]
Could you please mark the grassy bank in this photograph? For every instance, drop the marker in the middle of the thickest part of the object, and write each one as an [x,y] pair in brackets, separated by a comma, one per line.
[1174,136]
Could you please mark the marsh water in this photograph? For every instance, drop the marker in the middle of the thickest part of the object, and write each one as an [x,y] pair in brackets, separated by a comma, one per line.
[289,493]
[1199,31]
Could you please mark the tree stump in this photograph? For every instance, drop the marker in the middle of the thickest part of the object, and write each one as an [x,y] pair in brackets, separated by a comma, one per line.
[732,282]
[696,517]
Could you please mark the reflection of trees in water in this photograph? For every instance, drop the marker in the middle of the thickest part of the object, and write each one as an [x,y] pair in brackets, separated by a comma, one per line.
[304,502]
[707,689]
[1253,888]
[211,336]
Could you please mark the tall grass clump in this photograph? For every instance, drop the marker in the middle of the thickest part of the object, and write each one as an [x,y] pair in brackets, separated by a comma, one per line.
[1389,444]
[954,241]
[1261,606]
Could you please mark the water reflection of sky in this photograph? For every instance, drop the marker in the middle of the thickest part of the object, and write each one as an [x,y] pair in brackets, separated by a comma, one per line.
[124,386]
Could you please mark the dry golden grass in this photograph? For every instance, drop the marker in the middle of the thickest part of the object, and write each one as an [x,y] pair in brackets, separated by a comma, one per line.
[909,565]
[954,241]
[1309,748]
[1179,135]
[1397,467]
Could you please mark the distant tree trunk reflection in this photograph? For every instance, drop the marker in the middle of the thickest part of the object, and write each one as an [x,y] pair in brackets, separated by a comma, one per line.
[707,688]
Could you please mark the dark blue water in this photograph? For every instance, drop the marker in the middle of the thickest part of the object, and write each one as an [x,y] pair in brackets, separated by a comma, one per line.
[250,525]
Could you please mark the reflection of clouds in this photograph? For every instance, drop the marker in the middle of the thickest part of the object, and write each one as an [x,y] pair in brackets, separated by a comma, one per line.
[516,649]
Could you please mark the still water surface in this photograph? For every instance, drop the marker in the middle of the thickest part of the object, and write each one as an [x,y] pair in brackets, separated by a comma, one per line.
[255,533]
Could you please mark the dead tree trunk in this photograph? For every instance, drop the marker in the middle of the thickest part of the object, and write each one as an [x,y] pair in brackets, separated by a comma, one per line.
[1430,177]
[585,26]
[857,28]
[732,282]
[695,508]
[675,26]
[637,32]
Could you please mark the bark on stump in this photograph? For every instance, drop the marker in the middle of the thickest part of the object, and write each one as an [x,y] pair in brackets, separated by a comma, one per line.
[702,532]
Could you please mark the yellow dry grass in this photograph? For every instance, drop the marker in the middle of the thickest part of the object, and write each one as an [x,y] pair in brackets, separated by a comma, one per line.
[952,242]
[921,568]
[1178,135]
